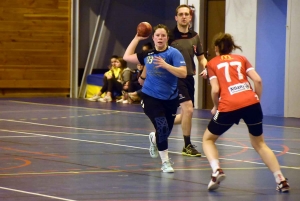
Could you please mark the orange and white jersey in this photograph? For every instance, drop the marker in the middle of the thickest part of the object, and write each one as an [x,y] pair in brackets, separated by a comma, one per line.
[235,90]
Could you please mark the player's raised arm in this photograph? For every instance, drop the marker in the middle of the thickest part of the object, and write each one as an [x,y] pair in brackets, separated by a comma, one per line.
[144,30]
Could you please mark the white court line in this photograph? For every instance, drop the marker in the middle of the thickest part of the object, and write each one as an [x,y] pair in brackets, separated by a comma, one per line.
[73,139]
[76,107]
[126,133]
[38,194]
[87,108]
[128,146]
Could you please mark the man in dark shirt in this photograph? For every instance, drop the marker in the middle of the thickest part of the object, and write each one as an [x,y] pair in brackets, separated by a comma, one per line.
[188,43]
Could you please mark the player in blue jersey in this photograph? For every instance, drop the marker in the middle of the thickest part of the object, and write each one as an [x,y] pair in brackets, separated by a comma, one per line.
[163,66]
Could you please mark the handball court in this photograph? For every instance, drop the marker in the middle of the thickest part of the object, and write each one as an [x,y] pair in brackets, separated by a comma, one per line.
[67,149]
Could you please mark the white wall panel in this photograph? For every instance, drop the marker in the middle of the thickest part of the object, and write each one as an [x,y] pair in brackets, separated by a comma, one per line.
[292,69]
[240,21]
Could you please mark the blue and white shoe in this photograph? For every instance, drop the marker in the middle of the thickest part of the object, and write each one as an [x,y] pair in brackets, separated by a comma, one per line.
[153,148]
[167,167]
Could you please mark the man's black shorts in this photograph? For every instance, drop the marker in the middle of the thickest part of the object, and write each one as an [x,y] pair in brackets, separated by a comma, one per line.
[186,89]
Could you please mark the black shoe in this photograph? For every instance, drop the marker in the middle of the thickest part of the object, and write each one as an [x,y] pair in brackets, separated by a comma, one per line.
[190,151]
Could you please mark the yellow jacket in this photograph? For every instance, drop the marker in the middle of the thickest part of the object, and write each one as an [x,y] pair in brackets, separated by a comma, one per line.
[114,71]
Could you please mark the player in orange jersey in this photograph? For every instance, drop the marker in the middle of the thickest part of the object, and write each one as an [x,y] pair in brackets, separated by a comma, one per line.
[233,100]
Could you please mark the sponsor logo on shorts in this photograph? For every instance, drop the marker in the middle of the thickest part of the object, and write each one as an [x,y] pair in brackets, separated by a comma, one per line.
[237,88]
[216,115]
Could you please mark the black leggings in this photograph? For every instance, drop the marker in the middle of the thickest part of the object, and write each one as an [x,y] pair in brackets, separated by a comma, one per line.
[162,114]
[111,85]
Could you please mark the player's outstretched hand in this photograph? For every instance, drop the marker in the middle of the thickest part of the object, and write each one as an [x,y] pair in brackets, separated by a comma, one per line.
[203,74]
[160,62]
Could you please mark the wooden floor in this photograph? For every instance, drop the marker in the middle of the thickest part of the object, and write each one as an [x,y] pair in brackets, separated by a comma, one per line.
[72,149]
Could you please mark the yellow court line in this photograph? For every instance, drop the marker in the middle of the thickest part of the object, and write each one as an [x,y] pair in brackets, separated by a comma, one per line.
[139,170]
[128,146]
[117,171]
[119,132]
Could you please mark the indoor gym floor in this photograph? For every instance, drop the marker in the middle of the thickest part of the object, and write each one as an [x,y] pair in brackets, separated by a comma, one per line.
[73,149]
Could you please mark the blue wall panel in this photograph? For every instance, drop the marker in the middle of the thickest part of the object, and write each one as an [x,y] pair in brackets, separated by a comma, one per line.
[270,53]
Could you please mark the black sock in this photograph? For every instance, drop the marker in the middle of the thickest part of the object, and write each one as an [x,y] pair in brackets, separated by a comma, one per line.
[187,140]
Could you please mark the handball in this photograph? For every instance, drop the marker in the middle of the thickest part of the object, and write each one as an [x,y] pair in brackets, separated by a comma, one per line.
[144,29]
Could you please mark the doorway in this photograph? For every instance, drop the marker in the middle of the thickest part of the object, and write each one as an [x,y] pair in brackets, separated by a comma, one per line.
[215,23]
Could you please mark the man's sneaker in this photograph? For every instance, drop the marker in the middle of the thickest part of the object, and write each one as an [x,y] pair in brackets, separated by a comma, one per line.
[167,167]
[190,151]
[94,98]
[216,179]
[153,148]
[105,99]
[283,187]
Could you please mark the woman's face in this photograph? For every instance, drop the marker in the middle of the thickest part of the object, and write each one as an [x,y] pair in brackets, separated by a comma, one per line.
[160,38]
[113,61]
[117,63]
[140,67]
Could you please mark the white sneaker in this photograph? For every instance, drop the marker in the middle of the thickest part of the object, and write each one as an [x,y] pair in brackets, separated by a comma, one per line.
[167,167]
[153,148]
[125,101]
[120,100]
[94,98]
[105,99]
[216,179]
